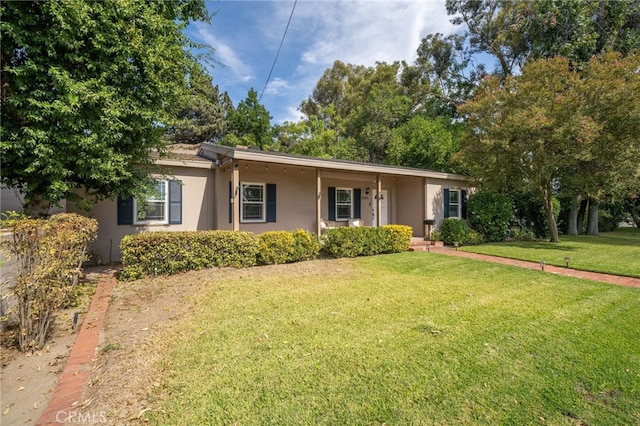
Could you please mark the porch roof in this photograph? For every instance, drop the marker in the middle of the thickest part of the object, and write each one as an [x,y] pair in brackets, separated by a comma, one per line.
[219,154]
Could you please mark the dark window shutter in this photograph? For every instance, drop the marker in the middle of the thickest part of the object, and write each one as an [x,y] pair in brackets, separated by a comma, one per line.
[230,203]
[332,203]
[357,193]
[175,202]
[271,202]
[463,210]
[446,203]
[125,211]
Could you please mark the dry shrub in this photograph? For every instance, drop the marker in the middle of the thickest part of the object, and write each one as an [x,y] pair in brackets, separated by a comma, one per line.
[49,256]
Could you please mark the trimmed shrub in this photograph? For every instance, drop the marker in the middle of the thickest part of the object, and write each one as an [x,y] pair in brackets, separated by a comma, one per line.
[367,241]
[167,253]
[399,238]
[306,246]
[344,242]
[454,230]
[489,214]
[275,247]
[48,256]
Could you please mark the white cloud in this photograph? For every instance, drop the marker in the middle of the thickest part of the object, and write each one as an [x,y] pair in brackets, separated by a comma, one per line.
[276,86]
[364,33]
[224,53]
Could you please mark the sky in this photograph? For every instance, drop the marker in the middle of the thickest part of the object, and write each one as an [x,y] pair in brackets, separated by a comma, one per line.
[246,36]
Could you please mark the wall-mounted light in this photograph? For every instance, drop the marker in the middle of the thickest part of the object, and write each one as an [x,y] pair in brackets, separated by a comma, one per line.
[367,191]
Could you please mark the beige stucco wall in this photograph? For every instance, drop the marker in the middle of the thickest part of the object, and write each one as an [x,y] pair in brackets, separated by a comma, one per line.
[197,213]
[435,197]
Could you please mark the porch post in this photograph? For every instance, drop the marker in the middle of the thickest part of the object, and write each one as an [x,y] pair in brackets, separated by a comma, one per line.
[235,196]
[318,201]
[379,200]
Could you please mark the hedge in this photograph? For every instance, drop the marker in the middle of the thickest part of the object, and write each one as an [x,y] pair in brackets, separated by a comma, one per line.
[166,253]
[367,241]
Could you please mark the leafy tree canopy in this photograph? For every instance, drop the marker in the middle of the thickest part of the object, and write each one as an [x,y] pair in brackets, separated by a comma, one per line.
[87,91]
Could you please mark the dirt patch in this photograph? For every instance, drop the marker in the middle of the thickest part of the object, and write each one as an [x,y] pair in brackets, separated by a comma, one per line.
[28,379]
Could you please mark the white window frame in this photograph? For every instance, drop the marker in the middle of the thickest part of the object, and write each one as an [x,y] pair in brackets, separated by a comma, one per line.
[165,208]
[457,204]
[263,203]
[350,204]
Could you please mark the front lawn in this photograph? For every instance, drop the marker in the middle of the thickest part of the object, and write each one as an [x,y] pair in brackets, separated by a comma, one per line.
[412,338]
[615,253]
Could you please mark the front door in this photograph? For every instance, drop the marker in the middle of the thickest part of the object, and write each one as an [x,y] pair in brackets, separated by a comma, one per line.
[384,211]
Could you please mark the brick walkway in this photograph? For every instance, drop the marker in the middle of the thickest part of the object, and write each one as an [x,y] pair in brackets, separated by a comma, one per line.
[65,405]
[594,276]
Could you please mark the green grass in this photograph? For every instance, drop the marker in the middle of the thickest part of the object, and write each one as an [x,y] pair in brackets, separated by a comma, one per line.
[413,338]
[615,253]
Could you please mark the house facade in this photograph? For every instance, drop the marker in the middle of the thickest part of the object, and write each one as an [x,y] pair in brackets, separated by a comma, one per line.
[226,188]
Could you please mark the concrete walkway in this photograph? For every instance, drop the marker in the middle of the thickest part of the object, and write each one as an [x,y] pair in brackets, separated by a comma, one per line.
[66,405]
[593,276]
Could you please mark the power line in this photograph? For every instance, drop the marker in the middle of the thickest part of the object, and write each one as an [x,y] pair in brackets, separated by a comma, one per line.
[278,53]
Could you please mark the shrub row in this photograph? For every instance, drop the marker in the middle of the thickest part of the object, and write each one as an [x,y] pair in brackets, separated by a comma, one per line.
[276,247]
[367,241]
[166,253]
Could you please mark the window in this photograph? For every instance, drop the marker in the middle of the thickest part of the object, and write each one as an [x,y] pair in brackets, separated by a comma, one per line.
[344,199]
[153,208]
[454,203]
[253,202]
[344,203]
[161,205]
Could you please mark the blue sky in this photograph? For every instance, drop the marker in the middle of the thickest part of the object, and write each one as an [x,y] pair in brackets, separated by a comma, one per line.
[246,36]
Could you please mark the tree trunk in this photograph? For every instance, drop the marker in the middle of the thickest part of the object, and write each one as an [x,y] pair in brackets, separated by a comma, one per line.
[592,224]
[581,212]
[37,207]
[572,218]
[551,219]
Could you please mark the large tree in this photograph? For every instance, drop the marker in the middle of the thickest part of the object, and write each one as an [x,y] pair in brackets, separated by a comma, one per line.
[249,124]
[525,131]
[204,112]
[87,90]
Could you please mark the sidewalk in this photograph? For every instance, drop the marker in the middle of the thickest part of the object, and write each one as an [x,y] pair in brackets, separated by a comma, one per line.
[66,405]
[593,276]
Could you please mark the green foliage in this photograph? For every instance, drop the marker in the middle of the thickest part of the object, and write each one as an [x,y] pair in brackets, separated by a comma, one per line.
[367,240]
[166,253]
[204,111]
[530,214]
[454,230]
[275,247]
[489,214]
[48,256]
[249,124]
[306,246]
[399,238]
[87,90]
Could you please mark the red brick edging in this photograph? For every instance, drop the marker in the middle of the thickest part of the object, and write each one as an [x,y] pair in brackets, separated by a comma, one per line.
[66,404]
